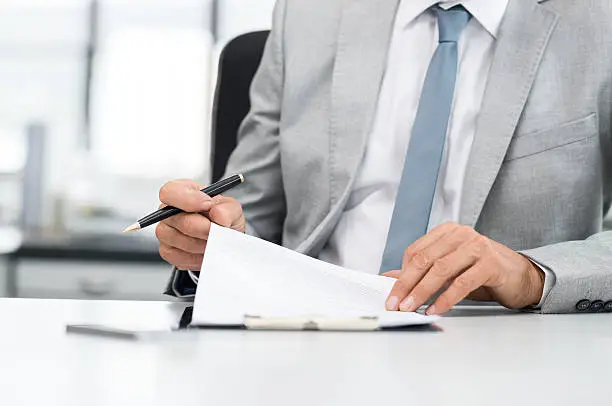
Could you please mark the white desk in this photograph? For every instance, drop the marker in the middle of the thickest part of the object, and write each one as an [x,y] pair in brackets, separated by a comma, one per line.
[484,356]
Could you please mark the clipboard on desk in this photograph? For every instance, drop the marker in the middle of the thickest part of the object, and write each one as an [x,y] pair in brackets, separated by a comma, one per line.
[246,282]
[394,321]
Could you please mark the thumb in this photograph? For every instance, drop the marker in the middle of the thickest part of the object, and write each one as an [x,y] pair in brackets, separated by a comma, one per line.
[186,195]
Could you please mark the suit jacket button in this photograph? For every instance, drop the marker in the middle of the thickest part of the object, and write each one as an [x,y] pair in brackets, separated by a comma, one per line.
[583,305]
[608,306]
[596,306]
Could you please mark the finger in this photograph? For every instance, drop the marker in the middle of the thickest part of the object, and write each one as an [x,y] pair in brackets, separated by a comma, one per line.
[443,270]
[425,241]
[429,261]
[428,239]
[444,233]
[226,212]
[185,195]
[191,224]
[472,279]
[180,259]
[421,263]
[174,238]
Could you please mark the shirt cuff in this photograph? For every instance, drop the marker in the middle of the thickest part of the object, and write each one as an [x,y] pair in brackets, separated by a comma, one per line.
[194,276]
[549,282]
[182,285]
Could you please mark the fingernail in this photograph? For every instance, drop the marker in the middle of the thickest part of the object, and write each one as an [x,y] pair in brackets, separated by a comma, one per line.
[392,303]
[207,204]
[407,304]
[431,310]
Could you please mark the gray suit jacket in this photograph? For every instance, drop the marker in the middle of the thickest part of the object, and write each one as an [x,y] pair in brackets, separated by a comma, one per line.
[539,178]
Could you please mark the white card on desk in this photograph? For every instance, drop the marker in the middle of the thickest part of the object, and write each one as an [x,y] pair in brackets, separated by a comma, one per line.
[244,276]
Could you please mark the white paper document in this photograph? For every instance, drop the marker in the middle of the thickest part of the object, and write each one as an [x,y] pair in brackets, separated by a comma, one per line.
[244,276]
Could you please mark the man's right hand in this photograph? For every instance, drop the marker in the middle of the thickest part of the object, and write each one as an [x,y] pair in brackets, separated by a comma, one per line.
[182,238]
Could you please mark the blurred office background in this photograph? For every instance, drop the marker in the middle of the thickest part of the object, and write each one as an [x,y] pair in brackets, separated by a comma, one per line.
[102,101]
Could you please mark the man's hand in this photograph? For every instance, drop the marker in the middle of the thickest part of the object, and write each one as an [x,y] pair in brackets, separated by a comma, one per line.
[182,238]
[461,263]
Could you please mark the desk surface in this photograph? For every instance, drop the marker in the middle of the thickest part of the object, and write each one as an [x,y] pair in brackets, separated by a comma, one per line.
[483,356]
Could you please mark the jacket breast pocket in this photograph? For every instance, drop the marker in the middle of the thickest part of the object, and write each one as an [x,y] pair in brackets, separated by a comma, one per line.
[541,141]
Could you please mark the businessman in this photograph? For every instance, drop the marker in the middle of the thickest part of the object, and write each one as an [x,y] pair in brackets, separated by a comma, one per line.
[461,147]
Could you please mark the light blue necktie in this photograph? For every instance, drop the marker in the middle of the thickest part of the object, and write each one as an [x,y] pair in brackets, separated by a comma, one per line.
[418,183]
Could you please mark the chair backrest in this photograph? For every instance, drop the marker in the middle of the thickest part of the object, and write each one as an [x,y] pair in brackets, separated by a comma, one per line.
[238,64]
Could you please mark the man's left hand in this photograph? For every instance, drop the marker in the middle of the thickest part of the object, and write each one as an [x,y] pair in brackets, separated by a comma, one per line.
[461,263]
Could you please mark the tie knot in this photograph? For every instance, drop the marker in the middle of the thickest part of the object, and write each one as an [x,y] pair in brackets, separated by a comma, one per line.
[451,22]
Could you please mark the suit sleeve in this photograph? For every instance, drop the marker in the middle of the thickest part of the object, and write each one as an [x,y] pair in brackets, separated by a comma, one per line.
[257,155]
[583,270]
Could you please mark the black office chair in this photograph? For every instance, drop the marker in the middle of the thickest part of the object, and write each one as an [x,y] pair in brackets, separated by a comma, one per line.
[238,63]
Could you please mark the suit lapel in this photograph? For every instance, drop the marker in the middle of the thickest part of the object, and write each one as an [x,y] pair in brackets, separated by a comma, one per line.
[523,37]
[364,37]
[363,45]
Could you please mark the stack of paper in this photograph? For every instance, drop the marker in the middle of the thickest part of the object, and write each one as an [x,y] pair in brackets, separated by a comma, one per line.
[245,276]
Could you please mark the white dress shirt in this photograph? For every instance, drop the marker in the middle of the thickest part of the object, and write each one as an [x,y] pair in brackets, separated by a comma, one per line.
[359,239]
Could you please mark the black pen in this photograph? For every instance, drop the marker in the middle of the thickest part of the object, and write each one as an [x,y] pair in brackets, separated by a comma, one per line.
[213,190]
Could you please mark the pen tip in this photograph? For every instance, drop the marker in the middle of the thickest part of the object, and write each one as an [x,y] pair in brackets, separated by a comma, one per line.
[241,177]
[131,228]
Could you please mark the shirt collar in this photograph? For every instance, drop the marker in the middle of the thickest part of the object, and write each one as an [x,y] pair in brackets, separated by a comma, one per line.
[489,13]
